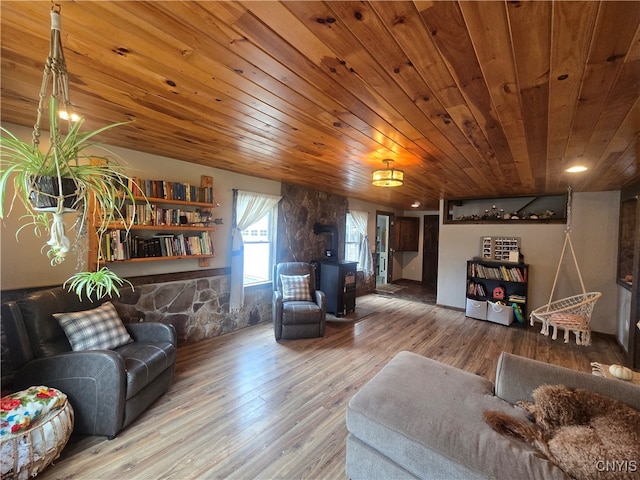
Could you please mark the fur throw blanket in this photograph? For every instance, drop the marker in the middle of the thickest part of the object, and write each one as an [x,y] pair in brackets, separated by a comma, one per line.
[587,435]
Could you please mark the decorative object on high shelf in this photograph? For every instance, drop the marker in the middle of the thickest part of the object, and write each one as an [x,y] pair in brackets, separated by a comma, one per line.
[388,177]
[65,177]
[529,209]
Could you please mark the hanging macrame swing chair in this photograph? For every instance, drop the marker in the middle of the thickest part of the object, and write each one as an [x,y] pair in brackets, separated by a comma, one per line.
[572,314]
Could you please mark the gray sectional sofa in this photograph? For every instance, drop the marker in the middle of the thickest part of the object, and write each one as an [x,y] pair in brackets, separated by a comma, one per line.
[418,418]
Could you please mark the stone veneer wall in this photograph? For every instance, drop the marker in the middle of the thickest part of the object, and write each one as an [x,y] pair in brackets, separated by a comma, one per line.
[299,210]
[195,303]
[198,308]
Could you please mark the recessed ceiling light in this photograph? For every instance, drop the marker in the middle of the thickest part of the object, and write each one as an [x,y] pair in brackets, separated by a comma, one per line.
[576,169]
[415,204]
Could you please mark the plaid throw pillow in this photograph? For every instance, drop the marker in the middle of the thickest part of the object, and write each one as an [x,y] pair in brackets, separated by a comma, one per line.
[295,287]
[97,329]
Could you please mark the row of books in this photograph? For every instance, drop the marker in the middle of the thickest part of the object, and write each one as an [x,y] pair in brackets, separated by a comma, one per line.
[511,274]
[171,190]
[476,289]
[517,298]
[120,246]
[154,215]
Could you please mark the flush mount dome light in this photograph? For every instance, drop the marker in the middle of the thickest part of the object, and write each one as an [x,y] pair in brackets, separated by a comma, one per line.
[576,169]
[388,177]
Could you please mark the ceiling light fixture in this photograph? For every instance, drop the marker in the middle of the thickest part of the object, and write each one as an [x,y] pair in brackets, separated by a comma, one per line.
[576,169]
[415,204]
[388,177]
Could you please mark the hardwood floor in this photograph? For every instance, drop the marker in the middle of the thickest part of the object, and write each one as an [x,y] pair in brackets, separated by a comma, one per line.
[243,406]
[414,291]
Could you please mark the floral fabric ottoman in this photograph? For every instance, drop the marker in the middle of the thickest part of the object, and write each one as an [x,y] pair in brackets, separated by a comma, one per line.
[35,425]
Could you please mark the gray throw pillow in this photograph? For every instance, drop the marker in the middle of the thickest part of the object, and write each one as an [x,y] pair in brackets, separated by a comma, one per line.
[97,329]
[295,287]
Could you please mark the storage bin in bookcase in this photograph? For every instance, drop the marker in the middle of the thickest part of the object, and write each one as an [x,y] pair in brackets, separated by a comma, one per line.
[497,291]
[476,309]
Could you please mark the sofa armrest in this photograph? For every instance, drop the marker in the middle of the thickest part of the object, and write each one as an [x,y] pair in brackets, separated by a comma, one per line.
[321,300]
[94,381]
[151,332]
[517,377]
[276,314]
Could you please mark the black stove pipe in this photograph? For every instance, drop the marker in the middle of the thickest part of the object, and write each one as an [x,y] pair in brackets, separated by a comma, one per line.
[319,228]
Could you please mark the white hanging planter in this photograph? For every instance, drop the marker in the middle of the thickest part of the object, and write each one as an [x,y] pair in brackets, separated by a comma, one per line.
[59,243]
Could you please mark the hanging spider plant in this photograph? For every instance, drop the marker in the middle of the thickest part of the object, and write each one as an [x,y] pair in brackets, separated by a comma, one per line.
[76,176]
[67,177]
[102,282]
[79,183]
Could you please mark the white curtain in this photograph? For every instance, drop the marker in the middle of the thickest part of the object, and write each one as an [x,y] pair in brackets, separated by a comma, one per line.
[365,260]
[248,208]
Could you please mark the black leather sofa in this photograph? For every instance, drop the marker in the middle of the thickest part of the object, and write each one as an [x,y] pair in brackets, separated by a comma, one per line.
[107,389]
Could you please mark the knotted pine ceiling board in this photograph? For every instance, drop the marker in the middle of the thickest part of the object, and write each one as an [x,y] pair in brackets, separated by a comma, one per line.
[471,99]
[489,30]
[615,27]
[618,118]
[572,31]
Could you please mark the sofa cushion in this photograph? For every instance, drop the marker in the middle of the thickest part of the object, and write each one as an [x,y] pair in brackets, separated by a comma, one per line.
[96,329]
[297,313]
[295,287]
[416,409]
[143,362]
[43,331]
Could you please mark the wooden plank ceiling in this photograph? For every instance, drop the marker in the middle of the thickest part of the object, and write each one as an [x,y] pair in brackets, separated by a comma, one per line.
[470,99]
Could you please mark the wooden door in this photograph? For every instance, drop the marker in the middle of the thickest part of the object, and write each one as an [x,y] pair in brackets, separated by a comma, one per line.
[431,232]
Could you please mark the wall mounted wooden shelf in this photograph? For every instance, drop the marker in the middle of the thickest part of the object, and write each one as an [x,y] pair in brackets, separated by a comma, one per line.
[183,225]
[540,209]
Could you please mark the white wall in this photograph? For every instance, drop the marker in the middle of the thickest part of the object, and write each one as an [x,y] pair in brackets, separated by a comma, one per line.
[594,234]
[24,266]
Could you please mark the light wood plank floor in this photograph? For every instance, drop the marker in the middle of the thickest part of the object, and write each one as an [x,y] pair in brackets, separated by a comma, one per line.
[243,406]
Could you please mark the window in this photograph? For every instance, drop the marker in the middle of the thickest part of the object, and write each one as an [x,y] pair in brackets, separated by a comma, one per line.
[259,248]
[353,240]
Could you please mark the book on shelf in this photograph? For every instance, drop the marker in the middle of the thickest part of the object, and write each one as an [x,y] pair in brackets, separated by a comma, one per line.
[155,215]
[476,289]
[120,246]
[501,272]
[171,190]
[517,298]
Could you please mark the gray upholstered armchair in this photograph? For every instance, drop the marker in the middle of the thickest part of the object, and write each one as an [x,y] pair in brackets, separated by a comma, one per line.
[107,388]
[299,310]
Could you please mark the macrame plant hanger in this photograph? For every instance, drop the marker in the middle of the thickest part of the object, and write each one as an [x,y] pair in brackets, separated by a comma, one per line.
[62,192]
[571,313]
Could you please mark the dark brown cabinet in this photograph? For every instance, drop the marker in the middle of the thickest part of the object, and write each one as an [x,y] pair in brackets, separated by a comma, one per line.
[338,282]
[406,234]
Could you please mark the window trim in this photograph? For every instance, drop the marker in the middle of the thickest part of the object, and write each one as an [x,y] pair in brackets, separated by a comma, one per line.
[273,235]
[346,243]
